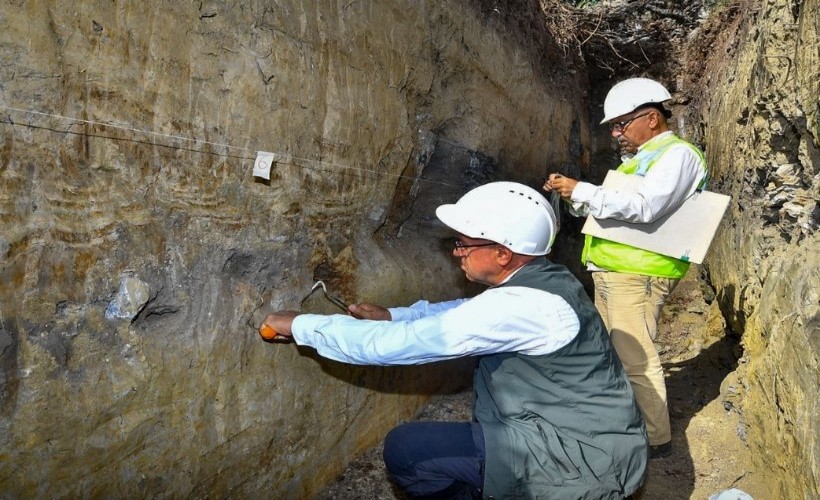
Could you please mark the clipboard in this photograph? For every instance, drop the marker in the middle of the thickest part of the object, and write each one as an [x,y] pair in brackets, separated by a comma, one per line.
[685,233]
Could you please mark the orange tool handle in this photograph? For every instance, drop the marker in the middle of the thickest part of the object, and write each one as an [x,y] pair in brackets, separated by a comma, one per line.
[267,332]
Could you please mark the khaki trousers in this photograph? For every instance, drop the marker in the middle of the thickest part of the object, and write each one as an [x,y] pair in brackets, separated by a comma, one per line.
[630,305]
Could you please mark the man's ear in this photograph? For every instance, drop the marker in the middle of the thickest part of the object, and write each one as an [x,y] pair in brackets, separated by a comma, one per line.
[503,255]
[655,119]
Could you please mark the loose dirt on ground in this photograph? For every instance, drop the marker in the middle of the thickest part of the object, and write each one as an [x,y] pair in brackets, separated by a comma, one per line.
[709,454]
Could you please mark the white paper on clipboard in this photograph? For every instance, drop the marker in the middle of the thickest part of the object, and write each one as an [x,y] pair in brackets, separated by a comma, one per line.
[684,234]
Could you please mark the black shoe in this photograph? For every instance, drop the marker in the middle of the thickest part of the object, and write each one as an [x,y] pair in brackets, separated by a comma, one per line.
[660,451]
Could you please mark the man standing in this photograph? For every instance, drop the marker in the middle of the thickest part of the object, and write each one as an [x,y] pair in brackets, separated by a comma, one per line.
[554,414]
[631,284]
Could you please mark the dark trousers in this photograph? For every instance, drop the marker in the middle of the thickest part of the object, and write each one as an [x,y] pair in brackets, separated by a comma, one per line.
[433,460]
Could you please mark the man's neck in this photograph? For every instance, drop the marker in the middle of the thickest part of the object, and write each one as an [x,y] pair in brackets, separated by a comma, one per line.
[513,267]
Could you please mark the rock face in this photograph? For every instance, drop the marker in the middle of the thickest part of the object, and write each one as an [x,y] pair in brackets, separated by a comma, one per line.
[761,126]
[139,253]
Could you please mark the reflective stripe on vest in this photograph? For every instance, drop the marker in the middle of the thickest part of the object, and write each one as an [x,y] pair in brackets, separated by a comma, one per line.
[628,259]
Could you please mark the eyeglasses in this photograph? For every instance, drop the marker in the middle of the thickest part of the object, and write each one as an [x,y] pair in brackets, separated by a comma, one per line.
[621,126]
[459,245]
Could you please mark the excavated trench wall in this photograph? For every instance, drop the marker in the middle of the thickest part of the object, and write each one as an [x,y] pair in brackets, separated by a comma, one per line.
[138,252]
[761,66]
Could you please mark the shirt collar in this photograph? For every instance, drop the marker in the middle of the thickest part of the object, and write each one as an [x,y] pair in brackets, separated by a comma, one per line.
[657,137]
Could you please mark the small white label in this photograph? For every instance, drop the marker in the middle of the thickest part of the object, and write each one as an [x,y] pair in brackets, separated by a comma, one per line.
[262,165]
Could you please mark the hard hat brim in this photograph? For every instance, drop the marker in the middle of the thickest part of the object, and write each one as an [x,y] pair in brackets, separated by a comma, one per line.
[451,217]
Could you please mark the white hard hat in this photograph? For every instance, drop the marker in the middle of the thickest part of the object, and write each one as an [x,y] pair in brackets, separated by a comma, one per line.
[628,95]
[511,214]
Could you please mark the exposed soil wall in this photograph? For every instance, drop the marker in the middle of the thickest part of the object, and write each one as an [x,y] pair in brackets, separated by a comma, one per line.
[754,72]
[745,83]
[138,252]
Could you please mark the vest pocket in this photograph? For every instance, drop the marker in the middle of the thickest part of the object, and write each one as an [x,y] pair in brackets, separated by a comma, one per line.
[571,462]
[557,453]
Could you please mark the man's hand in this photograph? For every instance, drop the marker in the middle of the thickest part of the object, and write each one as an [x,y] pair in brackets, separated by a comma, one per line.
[277,326]
[563,185]
[369,311]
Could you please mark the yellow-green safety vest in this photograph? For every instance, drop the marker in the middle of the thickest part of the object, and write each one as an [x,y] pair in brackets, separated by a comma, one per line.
[623,258]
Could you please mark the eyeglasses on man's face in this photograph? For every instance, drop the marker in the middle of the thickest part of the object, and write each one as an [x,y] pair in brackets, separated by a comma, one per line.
[459,246]
[621,126]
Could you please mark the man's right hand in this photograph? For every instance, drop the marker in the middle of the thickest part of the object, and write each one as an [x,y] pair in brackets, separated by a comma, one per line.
[563,185]
[369,311]
[277,326]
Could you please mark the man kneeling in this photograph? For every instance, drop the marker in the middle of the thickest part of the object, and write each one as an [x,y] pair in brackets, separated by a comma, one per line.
[554,412]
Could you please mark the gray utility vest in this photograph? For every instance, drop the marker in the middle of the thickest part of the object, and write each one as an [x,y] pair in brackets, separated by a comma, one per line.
[562,425]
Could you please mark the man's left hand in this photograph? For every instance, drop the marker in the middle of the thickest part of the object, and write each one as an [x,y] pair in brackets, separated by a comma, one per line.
[369,311]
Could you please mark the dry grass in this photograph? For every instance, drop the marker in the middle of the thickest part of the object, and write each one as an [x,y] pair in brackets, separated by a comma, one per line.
[574,28]
[620,35]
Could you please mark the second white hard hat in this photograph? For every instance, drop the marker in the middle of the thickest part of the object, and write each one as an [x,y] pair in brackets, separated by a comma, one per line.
[511,214]
[628,95]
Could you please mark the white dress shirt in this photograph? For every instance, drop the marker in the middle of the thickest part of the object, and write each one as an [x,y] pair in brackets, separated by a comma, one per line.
[674,177]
